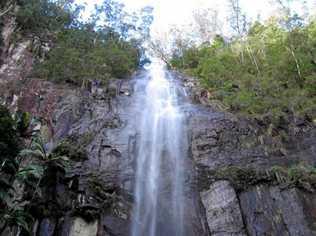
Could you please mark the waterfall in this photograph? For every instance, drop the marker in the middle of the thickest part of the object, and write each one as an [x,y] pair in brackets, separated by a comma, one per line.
[159,203]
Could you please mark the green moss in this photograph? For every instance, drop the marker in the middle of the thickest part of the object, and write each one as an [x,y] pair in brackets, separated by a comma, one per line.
[100,190]
[303,177]
[23,121]
[241,178]
[71,149]
[74,147]
[86,138]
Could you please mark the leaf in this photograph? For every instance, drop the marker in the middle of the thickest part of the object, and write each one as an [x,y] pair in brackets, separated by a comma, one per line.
[30,152]
[22,223]
[60,158]
[35,170]
[18,218]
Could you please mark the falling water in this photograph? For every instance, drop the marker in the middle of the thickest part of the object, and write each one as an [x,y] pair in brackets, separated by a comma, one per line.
[162,147]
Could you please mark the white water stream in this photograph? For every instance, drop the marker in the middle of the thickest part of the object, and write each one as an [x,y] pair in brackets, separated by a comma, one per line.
[162,148]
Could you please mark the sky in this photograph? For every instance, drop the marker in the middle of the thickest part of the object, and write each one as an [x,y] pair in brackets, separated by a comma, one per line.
[168,13]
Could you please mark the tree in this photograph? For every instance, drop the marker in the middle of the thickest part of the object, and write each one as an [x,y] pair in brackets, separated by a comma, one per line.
[275,78]
[126,25]
[83,54]
[237,19]
[84,51]
[290,18]
[45,17]
[206,23]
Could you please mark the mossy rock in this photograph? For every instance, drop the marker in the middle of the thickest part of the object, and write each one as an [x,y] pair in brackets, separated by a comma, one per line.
[241,178]
[71,150]
[74,147]
[303,177]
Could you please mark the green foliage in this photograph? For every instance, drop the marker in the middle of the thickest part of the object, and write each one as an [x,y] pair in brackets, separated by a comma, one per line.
[30,172]
[84,54]
[71,149]
[84,51]
[9,169]
[45,159]
[16,217]
[272,71]
[42,17]
[27,167]
[33,165]
[23,120]
[300,176]
[8,137]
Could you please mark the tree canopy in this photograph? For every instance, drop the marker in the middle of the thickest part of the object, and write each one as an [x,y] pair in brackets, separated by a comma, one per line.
[108,45]
[267,69]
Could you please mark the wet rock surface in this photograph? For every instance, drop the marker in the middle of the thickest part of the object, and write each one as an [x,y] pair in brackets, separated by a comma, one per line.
[223,210]
[276,211]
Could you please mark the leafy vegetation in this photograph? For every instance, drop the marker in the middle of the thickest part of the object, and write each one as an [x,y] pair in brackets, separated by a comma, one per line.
[44,17]
[21,172]
[264,69]
[300,176]
[108,46]
[272,71]
[80,55]
[8,138]
[9,168]
[74,147]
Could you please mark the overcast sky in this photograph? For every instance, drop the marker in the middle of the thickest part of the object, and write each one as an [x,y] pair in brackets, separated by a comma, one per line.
[179,12]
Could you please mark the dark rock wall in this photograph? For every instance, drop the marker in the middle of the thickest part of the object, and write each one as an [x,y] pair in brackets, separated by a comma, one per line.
[218,140]
[221,140]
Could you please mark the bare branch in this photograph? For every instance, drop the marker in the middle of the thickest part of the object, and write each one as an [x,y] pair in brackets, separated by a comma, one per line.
[6,11]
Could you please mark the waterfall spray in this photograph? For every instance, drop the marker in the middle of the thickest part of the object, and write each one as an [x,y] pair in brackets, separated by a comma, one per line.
[159,172]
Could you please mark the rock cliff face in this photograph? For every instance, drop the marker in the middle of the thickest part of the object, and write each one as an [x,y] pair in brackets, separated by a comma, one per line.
[250,203]
[227,172]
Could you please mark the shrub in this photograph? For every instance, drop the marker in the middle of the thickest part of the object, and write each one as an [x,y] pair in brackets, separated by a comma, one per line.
[82,54]
[272,71]
[43,16]
[8,138]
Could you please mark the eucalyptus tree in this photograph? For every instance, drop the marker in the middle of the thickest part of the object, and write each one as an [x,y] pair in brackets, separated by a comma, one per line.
[128,25]
[237,18]
[291,19]
[207,24]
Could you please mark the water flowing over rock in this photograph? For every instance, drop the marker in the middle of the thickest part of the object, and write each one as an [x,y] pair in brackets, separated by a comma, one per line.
[161,156]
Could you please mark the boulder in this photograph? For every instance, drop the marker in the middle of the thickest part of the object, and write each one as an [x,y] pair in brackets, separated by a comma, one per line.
[222,210]
[80,227]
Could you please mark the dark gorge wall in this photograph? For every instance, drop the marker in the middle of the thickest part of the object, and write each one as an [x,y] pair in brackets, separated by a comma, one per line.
[253,181]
